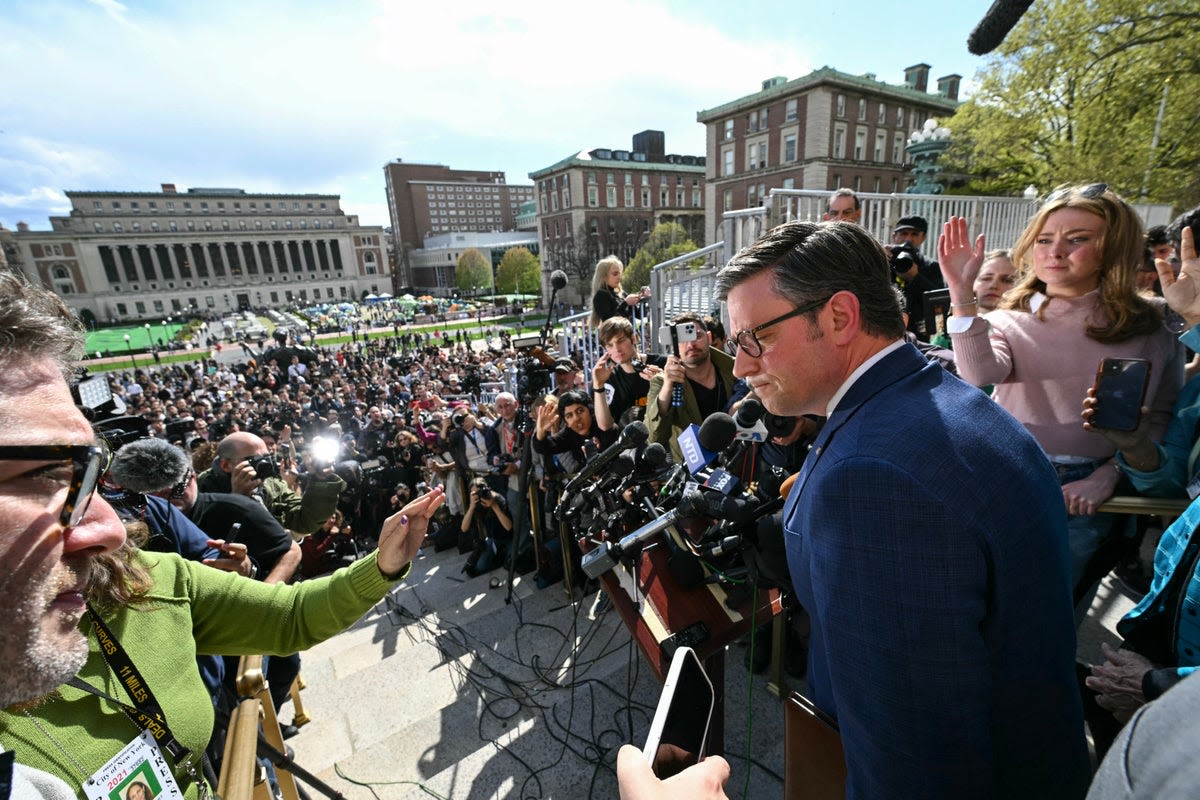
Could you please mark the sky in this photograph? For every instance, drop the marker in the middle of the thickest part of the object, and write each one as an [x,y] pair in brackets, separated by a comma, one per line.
[308,97]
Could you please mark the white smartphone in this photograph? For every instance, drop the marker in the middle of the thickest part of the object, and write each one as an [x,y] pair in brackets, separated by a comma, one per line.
[680,728]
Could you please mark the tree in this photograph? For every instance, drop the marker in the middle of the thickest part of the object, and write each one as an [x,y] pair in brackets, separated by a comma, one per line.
[473,272]
[1073,95]
[519,271]
[666,241]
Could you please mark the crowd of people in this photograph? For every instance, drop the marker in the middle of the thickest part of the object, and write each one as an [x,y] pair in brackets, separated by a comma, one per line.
[938,614]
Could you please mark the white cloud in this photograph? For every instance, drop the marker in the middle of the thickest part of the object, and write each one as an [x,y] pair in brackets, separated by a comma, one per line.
[46,197]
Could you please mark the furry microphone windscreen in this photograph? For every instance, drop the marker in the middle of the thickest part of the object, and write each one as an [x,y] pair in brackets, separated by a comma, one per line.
[149,465]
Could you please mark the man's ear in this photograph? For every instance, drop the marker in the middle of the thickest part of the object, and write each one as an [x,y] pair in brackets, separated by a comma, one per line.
[843,315]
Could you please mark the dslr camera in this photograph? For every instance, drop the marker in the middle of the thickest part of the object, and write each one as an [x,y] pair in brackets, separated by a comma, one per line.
[264,466]
[484,493]
[902,257]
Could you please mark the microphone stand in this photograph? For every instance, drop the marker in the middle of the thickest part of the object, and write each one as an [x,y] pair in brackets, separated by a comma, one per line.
[549,326]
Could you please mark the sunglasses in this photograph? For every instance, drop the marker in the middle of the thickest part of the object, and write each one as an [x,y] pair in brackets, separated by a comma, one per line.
[88,462]
[1089,192]
[747,339]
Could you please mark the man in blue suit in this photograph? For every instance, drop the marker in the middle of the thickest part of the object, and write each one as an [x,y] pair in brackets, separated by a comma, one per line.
[926,536]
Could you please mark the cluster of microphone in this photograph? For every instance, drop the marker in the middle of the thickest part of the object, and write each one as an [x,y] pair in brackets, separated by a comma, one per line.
[630,494]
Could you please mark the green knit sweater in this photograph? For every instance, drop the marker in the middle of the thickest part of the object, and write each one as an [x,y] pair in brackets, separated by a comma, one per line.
[225,614]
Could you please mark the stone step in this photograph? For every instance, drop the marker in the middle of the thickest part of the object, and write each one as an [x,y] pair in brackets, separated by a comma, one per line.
[446,686]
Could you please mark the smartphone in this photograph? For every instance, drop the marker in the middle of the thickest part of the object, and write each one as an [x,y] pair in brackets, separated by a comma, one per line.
[1120,388]
[674,335]
[679,730]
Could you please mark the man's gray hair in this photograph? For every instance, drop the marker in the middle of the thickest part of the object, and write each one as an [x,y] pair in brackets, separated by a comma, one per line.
[36,323]
[149,465]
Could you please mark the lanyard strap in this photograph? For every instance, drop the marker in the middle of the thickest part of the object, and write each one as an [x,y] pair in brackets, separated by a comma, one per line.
[146,712]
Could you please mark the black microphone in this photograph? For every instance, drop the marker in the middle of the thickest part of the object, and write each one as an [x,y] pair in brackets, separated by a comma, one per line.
[632,435]
[749,413]
[995,25]
[558,279]
[717,432]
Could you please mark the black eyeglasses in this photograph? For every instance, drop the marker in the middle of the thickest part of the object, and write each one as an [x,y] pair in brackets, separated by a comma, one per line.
[1089,192]
[88,461]
[747,339]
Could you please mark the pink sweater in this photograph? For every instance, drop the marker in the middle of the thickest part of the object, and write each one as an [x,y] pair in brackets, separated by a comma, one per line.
[1043,368]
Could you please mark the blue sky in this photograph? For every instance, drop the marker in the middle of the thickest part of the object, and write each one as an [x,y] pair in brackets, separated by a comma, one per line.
[317,97]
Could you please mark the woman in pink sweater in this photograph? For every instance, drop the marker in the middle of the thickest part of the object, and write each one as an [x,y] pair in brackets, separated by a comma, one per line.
[1074,305]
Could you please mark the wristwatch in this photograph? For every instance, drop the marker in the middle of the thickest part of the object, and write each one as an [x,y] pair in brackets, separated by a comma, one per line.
[597,390]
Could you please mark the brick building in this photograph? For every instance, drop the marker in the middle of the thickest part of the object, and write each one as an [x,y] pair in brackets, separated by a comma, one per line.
[431,199]
[826,130]
[605,202]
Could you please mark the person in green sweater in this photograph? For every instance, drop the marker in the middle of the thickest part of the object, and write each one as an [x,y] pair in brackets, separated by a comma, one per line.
[96,676]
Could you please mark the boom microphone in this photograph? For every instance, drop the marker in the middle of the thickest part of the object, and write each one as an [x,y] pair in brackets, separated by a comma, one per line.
[558,279]
[995,25]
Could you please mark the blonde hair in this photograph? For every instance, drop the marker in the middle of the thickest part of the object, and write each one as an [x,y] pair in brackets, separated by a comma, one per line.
[1126,313]
[600,281]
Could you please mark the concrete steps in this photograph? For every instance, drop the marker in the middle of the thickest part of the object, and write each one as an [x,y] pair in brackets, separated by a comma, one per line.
[445,686]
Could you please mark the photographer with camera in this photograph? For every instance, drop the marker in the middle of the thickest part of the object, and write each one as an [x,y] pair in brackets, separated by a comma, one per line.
[910,270]
[244,466]
[487,516]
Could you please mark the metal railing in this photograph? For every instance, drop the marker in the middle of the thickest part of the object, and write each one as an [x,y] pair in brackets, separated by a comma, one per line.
[676,288]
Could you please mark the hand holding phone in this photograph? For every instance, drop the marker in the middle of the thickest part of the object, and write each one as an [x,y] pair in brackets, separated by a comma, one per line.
[679,731]
[1120,389]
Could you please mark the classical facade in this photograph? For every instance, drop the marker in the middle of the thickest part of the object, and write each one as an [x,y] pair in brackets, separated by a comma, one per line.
[430,199]
[826,130]
[605,202]
[125,256]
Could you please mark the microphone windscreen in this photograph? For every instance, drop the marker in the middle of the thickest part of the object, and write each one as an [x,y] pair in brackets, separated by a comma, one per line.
[635,433]
[558,279]
[623,464]
[749,413]
[654,457]
[149,465]
[717,432]
[995,25]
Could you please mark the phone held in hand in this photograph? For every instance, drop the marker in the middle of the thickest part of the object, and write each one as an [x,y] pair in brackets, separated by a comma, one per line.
[679,731]
[1120,390]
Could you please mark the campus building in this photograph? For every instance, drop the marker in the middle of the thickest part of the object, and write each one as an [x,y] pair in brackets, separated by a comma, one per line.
[826,130]
[430,199]
[127,256]
[605,202]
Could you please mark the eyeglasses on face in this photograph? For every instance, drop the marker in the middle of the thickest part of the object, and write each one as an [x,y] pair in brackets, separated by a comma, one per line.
[88,462]
[1089,192]
[747,339]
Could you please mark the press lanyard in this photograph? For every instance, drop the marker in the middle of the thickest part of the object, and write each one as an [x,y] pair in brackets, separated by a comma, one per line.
[147,714]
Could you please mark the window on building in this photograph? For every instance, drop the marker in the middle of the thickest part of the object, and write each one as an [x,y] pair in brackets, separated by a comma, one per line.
[645,198]
[593,197]
[628,196]
[862,109]
[728,129]
[591,177]
[899,117]
[789,110]
[97,205]
[752,155]
[839,141]
[898,148]
[858,183]
[117,227]
[860,145]
[99,228]
[727,200]
[695,198]
[837,181]
[841,105]
[880,145]
[883,113]
[727,162]
[789,147]
[172,225]
[154,226]
[751,196]
[611,197]
[789,183]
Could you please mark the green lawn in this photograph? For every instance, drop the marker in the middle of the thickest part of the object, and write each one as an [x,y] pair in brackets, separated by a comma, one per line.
[112,340]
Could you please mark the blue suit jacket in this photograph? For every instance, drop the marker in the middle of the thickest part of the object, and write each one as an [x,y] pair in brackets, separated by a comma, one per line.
[926,537]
